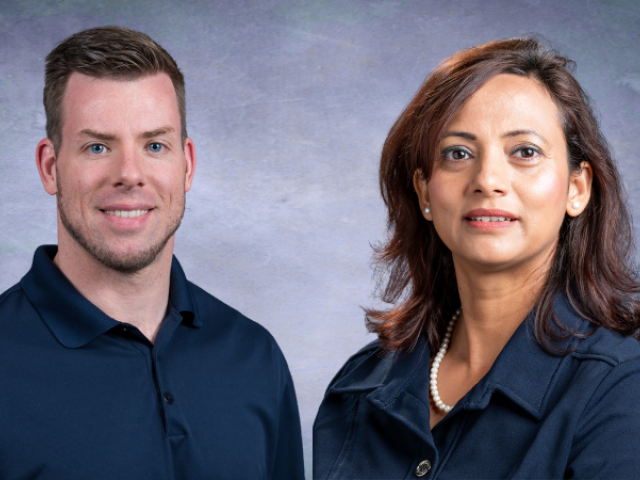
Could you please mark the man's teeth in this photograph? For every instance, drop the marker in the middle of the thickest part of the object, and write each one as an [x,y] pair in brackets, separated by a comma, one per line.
[126,213]
[491,219]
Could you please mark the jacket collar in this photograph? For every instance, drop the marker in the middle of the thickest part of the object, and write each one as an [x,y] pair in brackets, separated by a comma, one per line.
[391,380]
[72,319]
[523,372]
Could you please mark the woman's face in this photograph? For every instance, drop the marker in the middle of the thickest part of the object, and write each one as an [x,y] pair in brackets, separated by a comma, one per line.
[501,186]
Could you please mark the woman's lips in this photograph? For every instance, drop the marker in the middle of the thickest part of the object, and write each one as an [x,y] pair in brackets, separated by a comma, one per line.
[490,218]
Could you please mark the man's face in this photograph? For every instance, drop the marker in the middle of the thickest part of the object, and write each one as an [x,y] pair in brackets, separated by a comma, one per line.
[122,170]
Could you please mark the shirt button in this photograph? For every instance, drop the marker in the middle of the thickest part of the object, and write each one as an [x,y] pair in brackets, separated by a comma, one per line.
[169,399]
[423,468]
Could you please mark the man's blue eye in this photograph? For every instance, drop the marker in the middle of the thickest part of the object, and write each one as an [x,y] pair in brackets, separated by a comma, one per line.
[155,147]
[97,149]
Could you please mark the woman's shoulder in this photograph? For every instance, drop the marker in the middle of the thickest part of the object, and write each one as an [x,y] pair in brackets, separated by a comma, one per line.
[373,367]
[608,422]
[608,346]
[372,349]
[592,342]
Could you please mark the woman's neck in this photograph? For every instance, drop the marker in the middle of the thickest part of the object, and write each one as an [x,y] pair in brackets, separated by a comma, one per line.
[494,304]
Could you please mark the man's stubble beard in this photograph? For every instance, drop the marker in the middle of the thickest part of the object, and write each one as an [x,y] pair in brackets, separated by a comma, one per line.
[99,250]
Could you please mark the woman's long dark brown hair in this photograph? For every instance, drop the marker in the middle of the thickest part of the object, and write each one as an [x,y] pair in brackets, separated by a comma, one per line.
[594,262]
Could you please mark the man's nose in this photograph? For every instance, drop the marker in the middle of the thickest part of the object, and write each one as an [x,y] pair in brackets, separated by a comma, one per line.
[491,173]
[129,168]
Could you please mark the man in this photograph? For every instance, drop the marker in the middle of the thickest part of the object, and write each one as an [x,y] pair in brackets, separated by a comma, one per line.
[113,364]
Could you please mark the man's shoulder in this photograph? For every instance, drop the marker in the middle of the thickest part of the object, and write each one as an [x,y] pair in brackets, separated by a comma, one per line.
[11,299]
[7,293]
[226,321]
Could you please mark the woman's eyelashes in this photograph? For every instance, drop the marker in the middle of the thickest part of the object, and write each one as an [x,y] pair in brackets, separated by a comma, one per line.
[527,151]
[458,153]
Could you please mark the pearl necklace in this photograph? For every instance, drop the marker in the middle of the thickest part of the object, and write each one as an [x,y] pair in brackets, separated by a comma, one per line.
[433,380]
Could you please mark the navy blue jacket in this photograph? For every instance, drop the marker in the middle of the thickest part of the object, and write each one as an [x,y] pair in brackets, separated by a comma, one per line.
[533,415]
[83,396]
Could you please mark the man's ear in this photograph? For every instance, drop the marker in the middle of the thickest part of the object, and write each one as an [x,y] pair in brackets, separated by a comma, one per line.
[580,190]
[420,186]
[190,156]
[46,163]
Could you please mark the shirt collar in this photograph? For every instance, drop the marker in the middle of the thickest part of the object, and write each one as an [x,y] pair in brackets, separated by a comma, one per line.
[523,372]
[73,319]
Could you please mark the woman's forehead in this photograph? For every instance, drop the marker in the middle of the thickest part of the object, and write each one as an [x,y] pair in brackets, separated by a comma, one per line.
[507,103]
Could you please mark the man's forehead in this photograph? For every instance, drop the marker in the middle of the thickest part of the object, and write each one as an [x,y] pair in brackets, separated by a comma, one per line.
[77,79]
[146,103]
[86,89]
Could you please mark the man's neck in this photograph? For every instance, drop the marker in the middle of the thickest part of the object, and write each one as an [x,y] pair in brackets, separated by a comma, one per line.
[139,298]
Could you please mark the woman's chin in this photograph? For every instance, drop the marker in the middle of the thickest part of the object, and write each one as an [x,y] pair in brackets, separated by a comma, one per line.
[488,261]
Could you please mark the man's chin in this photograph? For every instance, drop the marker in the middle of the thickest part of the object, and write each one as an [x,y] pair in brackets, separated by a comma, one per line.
[124,259]
[126,262]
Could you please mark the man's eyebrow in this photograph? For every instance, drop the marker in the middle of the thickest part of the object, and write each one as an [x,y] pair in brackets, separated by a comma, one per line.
[157,132]
[525,131]
[98,135]
[468,136]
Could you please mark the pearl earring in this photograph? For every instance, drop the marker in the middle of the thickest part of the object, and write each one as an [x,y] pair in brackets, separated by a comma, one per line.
[427,210]
[576,205]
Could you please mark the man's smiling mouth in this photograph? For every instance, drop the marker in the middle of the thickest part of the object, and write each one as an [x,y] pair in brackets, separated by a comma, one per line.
[126,213]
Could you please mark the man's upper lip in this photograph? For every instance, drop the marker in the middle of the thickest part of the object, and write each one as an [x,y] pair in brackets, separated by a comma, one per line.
[126,207]
[489,212]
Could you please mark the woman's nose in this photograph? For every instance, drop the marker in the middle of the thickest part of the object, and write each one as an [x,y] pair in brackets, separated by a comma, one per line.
[490,174]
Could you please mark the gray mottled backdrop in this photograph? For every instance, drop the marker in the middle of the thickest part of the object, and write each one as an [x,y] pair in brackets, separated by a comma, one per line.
[289,103]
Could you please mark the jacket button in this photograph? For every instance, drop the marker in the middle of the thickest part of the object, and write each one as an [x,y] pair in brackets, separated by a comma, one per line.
[423,468]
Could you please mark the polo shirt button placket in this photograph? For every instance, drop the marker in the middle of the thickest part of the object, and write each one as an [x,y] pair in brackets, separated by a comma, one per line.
[423,468]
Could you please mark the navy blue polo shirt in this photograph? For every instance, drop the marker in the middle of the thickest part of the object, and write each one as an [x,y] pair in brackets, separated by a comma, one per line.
[533,415]
[83,396]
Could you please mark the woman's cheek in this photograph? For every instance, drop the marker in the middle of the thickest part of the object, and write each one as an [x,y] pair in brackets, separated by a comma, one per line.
[442,195]
[444,199]
[545,196]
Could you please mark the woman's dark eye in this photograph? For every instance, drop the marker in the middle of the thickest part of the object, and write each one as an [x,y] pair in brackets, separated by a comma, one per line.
[97,149]
[528,152]
[456,154]
[155,147]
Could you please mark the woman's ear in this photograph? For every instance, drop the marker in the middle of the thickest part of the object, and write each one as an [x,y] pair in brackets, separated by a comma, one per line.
[579,190]
[420,186]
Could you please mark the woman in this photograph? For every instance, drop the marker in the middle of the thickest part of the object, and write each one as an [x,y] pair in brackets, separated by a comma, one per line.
[507,350]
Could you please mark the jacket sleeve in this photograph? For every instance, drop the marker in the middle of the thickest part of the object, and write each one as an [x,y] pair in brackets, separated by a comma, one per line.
[607,440]
[288,462]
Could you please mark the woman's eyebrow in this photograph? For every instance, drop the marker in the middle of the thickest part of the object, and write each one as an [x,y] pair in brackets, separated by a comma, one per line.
[525,131]
[513,133]
[468,136]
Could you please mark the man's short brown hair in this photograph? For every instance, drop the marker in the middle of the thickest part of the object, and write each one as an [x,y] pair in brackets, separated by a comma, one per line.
[105,52]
